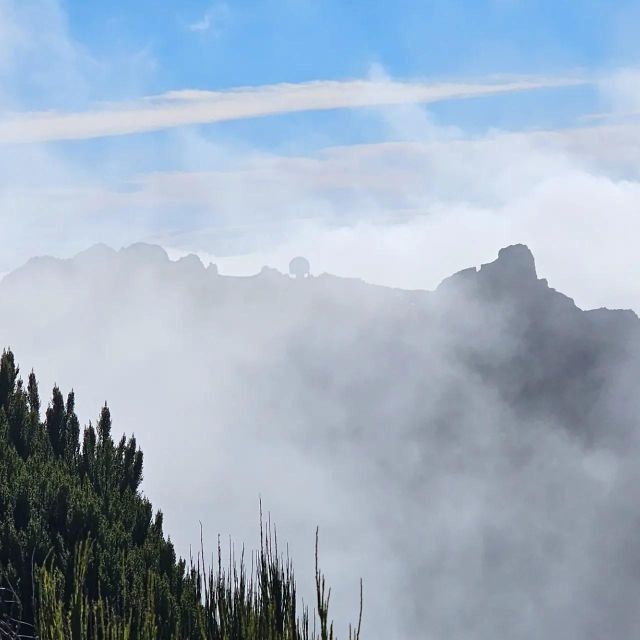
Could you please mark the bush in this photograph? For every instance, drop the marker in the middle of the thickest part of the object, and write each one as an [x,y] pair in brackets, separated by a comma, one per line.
[83,557]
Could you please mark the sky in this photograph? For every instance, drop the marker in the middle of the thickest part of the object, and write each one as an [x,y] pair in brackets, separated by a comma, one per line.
[395,142]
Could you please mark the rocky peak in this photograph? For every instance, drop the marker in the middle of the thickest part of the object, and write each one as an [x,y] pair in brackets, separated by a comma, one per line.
[144,254]
[98,254]
[514,263]
[513,270]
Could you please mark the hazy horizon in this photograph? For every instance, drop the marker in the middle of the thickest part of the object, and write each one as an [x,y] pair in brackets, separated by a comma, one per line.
[391,161]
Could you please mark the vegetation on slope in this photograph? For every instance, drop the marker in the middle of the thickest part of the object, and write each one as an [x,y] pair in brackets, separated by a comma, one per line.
[83,556]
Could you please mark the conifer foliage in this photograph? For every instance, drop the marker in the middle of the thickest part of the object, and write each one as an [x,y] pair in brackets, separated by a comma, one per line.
[84,557]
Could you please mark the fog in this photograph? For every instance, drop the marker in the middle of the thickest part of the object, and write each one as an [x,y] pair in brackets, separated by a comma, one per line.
[469,449]
[470,453]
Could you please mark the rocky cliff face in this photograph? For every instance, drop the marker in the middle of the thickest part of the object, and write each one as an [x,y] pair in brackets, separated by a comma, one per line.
[562,361]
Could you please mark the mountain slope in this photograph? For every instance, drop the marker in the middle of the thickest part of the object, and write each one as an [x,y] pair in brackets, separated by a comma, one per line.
[487,430]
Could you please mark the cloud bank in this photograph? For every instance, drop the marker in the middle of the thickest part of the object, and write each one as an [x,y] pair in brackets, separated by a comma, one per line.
[403,214]
[470,511]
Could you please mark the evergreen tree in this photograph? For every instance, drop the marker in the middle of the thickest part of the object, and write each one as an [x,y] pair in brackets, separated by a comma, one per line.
[55,420]
[84,558]
[34,396]
[71,431]
[8,375]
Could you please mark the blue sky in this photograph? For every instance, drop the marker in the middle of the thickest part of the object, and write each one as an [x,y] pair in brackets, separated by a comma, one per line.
[401,129]
[264,42]
[150,47]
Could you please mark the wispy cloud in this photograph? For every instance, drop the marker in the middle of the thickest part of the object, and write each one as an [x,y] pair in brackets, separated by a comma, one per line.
[190,107]
[213,21]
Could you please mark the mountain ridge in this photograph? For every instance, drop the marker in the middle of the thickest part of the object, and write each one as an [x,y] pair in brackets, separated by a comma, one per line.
[532,344]
[512,271]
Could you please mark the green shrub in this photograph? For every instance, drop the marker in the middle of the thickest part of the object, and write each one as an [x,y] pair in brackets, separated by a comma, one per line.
[83,557]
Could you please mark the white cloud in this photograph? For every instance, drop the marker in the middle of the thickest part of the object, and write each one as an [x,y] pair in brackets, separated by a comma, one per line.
[213,21]
[409,214]
[620,92]
[190,107]
[402,214]
[46,60]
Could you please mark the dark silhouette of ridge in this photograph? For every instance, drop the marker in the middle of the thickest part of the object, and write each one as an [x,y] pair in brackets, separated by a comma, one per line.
[532,345]
[513,269]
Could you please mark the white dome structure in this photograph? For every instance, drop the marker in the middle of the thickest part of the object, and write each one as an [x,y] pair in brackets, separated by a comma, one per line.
[299,267]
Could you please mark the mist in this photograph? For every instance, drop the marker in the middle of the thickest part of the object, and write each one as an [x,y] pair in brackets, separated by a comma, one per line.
[466,445]
[470,453]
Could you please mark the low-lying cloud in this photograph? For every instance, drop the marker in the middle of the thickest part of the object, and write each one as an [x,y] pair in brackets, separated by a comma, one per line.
[467,511]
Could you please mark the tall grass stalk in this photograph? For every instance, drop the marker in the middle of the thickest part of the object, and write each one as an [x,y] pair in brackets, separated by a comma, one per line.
[227,602]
